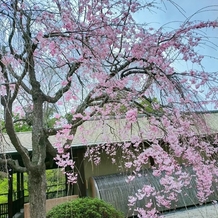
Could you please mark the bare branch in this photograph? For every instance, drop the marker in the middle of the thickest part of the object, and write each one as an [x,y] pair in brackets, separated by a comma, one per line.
[19,81]
[64,89]
[14,164]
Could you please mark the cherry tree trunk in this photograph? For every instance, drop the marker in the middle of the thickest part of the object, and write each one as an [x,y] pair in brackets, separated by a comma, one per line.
[37,192]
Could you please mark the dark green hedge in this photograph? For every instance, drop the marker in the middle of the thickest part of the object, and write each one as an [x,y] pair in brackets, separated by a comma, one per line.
[84,208]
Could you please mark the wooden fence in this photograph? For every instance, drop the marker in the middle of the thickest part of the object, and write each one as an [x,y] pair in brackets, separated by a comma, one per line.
[9,209]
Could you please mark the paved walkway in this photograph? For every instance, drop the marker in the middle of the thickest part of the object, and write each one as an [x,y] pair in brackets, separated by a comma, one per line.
[207,211]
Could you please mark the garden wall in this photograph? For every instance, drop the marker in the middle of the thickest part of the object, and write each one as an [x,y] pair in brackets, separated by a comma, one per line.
[50,203]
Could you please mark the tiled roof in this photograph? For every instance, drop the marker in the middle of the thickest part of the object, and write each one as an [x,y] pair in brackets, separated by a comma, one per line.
[110,131]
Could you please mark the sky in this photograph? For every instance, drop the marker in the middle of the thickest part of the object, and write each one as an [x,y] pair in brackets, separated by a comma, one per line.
[169,12]
[172,16]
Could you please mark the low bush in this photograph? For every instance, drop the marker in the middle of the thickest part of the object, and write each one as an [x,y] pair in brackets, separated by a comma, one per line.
[84,208]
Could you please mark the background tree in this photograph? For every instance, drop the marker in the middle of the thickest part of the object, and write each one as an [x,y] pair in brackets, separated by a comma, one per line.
[95,58]
[55,184]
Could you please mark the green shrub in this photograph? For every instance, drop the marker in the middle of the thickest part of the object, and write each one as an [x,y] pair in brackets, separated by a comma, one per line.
[84,208]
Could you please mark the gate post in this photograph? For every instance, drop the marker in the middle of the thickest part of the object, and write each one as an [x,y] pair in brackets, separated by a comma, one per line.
[10,193]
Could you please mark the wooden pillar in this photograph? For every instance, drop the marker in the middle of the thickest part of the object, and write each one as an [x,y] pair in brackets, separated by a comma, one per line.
[78,157]
[18,186]
[20,194]
[66,185]
[10,193]
[22,189]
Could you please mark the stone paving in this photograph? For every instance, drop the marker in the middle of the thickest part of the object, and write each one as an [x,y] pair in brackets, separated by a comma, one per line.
[207,211]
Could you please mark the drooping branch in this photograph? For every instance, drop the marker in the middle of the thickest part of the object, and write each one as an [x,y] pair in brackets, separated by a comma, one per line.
[87,102]
[19,82]
[12,33]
